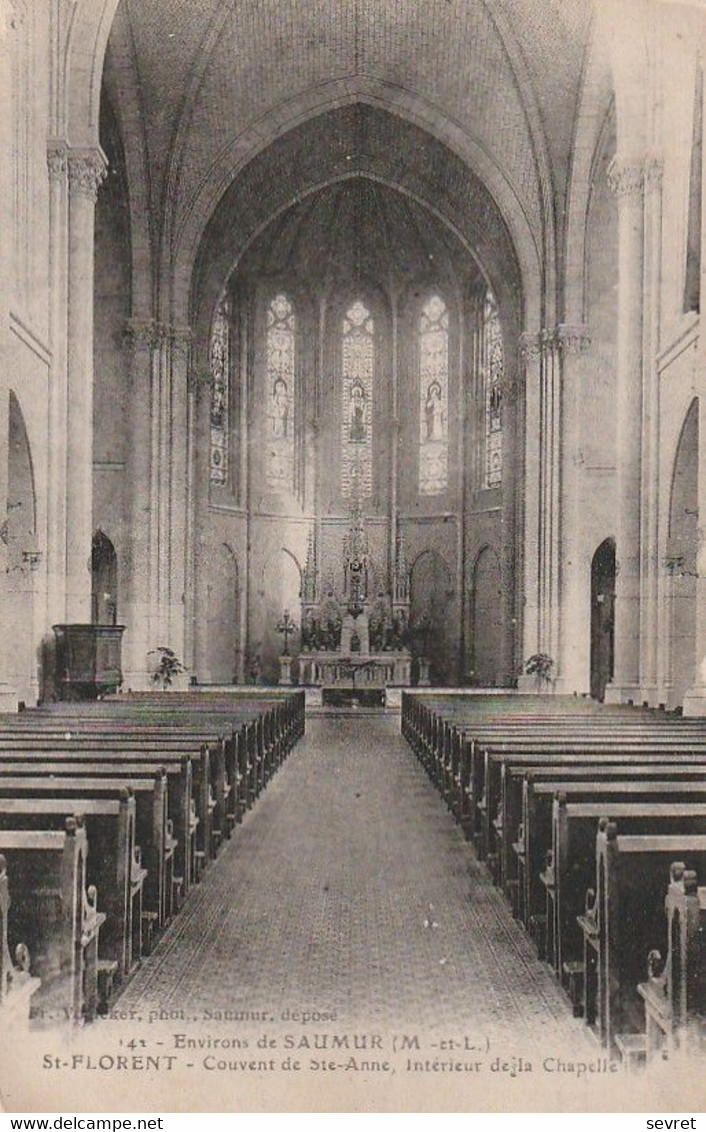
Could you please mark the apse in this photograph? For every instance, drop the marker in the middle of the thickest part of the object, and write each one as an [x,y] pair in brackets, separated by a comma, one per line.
[357,369]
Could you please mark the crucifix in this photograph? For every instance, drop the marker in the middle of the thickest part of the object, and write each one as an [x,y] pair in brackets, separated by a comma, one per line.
[286,627]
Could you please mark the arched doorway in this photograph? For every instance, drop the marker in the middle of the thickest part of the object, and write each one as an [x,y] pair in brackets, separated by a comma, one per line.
[223,636]
[485,640]
[432,616]
[104,581]
[682,545]
[602,617]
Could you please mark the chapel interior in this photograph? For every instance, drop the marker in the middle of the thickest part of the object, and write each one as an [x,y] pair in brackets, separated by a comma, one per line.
[350,348]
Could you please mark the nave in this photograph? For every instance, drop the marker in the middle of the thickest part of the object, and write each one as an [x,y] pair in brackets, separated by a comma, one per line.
[349,888]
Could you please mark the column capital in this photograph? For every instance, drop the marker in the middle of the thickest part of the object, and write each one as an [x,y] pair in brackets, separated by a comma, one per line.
[140,332]
[57,163]
[530,345]
[635,175]
[573,339]
[199,383]
[87,171]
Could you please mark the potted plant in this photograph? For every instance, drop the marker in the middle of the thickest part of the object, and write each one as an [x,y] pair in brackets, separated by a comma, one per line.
[168,667]
[540,666]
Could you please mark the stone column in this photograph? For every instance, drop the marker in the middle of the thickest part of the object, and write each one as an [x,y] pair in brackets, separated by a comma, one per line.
[176,460]
[695,698]
[542,479]
[86,169]
[200,387]
[627,181]
[138,605]
[574,595]
[649,532]
[57,167]
[531,357]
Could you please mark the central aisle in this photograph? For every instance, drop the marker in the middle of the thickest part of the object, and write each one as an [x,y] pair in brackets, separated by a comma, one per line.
[349,889]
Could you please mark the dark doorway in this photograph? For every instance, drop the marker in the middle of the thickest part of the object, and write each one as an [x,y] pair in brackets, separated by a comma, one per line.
[104,587]
[602,617]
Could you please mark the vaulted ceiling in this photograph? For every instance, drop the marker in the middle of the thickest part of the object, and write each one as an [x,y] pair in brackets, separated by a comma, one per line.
[505,71]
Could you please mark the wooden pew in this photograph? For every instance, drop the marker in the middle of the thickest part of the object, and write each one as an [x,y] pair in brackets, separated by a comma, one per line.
[186,805]
[56,915]
[674,993]
[208,777]
[601,751]
[147,784]
[525,809]
[16,984]
[114,865]
[623,920]
[639,808]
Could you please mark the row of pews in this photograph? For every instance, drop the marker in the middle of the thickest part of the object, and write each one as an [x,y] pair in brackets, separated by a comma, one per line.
[592,820]
[109,814]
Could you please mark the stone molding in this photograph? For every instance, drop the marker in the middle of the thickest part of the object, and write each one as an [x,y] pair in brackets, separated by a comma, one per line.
[141,332]
[634,176]
[57,163]
[87,171]
[151,334]
[573,339]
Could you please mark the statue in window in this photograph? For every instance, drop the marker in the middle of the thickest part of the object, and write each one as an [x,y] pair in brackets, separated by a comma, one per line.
[357,415]
[279,409]
[434,412]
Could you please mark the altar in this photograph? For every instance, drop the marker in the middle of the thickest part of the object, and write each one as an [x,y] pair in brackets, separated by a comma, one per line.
[355,620]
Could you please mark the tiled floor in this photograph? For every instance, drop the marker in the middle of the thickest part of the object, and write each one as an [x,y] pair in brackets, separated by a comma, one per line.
[349,888]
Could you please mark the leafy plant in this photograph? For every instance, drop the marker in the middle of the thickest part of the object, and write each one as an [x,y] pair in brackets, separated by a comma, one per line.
[168,668]
[539,665]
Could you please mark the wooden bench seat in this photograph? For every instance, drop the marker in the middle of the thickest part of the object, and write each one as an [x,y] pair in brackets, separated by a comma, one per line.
[17,985]
[674,991]
[528,791]
[56,915]
[573,853]
[147,784]
[114,865]
[624,920]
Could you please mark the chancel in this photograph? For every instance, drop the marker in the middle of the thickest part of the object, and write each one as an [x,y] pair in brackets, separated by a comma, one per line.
[352,440]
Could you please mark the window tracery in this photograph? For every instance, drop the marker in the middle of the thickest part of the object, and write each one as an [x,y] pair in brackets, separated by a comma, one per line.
[494,375]
[433,397]
[219,365]
[281,377]
[358,359]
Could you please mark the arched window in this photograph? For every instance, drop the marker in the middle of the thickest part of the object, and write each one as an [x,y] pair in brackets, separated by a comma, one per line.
[358,359]
[433,397]
[281,376]
[494,374]
[219,362]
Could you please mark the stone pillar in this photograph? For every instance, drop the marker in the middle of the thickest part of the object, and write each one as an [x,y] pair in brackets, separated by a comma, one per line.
[627,180]
[138,605]
[8,36]
[531,357]
[176,459]
[86,169]
[695,698]
[200,386]
[57,166]
[575,582]
[649,531]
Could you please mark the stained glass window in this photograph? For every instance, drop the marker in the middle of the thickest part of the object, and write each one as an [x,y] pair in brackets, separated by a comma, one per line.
[494,373]
[219,362]
[433,397]
[281,375]
[358,359]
